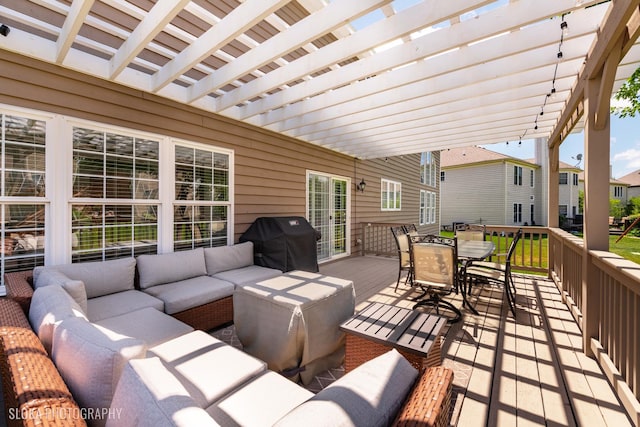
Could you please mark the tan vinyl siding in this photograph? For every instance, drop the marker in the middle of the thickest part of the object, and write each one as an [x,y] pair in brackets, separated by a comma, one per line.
[403,169]
[474,194]
[270,169]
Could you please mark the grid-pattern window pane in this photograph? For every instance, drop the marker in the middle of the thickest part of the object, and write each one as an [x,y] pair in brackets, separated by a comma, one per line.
[22,170]
[517,175]
[105,231]
[562,210]
[201,209]
[121,172]
[390,195]
[23,152]
[431,207]
[427,207]
[517,213]
[562,178]
[428,169]
[617,192]
[113,166]
[21,236]
[532,178]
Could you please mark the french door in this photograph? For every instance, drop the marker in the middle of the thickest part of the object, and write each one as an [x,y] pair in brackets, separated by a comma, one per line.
[328,212]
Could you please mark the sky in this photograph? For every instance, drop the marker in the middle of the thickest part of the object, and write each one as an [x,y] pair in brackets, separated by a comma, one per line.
[624,147]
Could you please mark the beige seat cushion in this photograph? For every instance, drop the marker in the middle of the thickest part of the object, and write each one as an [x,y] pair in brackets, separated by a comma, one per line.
[370,395]
[149,396]
[207,367]
[90,360]
[261,402]
[171,267]
[249,274]
[189,293]
[50,305]
[223,258]
[121,303]
[102,277]
[148,324]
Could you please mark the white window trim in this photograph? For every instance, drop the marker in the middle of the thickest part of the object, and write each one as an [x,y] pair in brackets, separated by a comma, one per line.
[397,189]
[58,202]
[169,192]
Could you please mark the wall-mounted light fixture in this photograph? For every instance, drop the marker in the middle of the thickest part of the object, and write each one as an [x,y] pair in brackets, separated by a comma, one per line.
[360,187]
[4,30]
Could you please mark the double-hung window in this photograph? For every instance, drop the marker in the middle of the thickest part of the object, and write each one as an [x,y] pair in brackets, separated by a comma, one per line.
[22,199]
[202,197]
[115,195]
[563,178]
[428,169]
[517,175]
[517,213]
[427,207]
[391,195]
[532,178]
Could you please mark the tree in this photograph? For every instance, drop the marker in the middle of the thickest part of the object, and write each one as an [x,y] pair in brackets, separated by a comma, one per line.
[633,206]
[615,210]
[629,93]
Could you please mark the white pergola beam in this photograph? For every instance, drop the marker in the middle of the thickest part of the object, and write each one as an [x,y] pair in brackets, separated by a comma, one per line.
[501,107]
[158,17]
[496,22]
[440,85]
[73,22]
[306,30]
[235,23]
[422,15]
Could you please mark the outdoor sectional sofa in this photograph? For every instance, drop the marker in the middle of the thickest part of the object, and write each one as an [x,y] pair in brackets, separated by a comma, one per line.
[110,339]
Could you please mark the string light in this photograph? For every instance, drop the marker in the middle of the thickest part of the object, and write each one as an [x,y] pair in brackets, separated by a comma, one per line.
[564,27]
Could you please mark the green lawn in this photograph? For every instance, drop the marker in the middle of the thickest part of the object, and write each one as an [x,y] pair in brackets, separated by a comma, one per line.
[628,247]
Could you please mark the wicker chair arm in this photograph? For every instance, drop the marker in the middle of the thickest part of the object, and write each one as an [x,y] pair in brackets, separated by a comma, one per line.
[34,392]
[429,402]
[19,285]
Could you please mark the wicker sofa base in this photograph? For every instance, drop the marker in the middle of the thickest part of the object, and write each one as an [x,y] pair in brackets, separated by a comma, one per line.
[33,390]
[429,402]
[208,316]
[19,285]
[359,350]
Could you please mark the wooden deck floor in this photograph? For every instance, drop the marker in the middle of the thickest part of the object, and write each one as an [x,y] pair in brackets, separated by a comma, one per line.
[528,371]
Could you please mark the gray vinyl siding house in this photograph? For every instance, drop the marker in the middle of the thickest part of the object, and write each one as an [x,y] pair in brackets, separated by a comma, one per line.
[482,186]
[633,181]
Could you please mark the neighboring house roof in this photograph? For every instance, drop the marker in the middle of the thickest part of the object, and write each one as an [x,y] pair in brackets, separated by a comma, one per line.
[633,178]
[611,180]
[562,165]
[473,154]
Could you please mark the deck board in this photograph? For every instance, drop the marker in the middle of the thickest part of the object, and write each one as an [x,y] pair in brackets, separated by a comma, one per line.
[528,371]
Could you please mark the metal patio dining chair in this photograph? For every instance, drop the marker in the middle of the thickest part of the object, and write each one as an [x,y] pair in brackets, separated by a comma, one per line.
[471,232]
[403,244]
[496,273]
[435,270]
